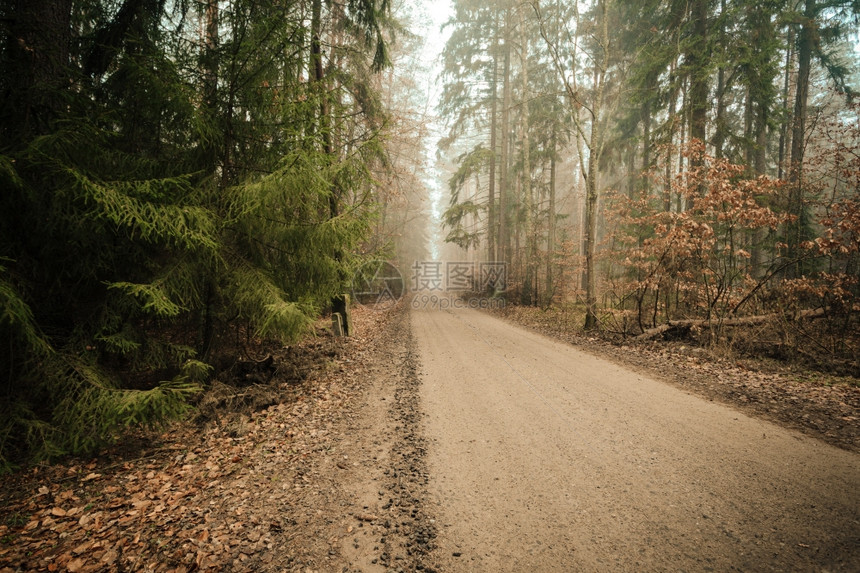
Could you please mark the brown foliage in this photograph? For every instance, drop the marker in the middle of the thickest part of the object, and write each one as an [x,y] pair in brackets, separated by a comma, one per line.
[697,263]
[721,259]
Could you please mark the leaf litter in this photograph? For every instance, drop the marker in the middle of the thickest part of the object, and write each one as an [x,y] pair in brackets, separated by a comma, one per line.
[229,491]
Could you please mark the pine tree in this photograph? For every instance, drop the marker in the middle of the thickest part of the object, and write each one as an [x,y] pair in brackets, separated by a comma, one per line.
[470,101]
[160,188]
[821,24]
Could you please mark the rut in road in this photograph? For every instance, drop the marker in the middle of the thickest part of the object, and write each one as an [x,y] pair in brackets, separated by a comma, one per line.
[544,458]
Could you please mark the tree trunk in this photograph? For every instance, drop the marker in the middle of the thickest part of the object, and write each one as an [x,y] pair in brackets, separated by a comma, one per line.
[647,114]
[720,121]
[319,76]
[749,145]
[209,72]
[550,239]
[760,168]
[339,303]
[673,97]
[697,59]
[503,248]
[682,140]
[591,184]
[798,143]
[35,63]
[527,293]
[590,241]
[492,228]
[210,58]
[732,321]
[784,135]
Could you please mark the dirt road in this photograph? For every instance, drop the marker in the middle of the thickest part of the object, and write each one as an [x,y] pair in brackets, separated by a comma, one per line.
[544,458]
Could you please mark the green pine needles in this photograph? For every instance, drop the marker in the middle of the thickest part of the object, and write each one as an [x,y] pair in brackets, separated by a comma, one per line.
[158,191]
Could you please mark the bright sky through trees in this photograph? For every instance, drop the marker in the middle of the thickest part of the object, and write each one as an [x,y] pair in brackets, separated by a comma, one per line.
[431,16]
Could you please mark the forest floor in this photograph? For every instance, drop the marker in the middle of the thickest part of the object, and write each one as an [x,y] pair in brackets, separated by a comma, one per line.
[335,460]
[279,475]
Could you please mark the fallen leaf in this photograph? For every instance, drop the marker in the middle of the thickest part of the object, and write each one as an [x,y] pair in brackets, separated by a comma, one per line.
[82,547]
[109,557]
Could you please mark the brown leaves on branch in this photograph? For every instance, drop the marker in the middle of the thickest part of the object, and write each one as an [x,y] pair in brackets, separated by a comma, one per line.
[721,258]
[696,262]
[841,233]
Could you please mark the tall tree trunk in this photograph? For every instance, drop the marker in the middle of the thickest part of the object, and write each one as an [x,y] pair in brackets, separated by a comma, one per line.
[319,77]
[592,186]
[760,169]
[210,64]
[517,228]
[720,120]
[749,144]
[35,62]
[550,238]
[580,176]
[673,98]
[784,134]
[628,161]
[647,113]
[798,130]
[591,191]
[761,121]
[504,184]
[682,140]
[804,62]
[339,302]
[697,59]
[766,35]
[210,58]
[528,293]
[492,227]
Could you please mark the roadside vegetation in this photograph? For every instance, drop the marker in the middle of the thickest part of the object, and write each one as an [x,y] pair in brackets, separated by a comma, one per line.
[182,186]
[653,170]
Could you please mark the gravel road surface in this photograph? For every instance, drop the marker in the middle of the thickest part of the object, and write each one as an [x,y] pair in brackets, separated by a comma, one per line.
[544,458]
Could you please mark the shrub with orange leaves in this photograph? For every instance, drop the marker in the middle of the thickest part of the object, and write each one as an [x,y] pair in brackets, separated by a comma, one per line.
[707,260]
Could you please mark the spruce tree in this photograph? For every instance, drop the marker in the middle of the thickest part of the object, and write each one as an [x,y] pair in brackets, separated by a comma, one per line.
[162,185]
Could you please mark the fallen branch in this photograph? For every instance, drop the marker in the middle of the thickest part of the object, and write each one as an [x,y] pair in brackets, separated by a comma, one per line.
[739,321]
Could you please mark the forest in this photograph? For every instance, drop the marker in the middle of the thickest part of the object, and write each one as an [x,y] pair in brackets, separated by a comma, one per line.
[180,181]
[664,168]
[183,182]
